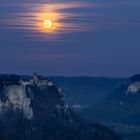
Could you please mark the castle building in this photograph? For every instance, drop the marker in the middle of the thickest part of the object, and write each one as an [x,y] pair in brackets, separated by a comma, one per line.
[37,80]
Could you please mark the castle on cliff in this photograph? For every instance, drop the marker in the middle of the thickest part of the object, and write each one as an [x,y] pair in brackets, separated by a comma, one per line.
[37,80]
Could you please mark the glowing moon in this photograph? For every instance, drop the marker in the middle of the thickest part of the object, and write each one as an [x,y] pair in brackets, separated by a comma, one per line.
[48,24]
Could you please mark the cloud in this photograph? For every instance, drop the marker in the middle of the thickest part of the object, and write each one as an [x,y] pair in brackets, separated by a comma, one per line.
[25,18]
[67,17]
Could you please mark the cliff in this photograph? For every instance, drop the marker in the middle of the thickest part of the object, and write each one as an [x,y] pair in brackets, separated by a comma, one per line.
[39,111]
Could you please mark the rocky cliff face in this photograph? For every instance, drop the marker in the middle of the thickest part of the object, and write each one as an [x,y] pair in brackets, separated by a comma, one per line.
[133,87]
[134,84]
[39,111]
[16,99]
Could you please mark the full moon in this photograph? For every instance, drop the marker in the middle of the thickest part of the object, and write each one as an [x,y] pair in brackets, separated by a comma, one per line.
[48,24]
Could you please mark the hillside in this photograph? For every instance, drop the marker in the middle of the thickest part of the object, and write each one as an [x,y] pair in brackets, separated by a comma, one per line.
[120,106]
[85,91]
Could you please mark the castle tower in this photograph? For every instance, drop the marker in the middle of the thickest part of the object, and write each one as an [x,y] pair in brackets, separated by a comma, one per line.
[35,78]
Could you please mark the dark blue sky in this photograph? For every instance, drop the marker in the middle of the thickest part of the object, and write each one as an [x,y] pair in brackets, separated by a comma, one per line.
[92,38]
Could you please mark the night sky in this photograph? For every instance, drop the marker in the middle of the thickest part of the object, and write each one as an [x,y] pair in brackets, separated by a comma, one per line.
[87,38]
